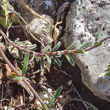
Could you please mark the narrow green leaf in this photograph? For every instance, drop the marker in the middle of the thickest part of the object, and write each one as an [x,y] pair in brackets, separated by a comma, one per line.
[80,51]
[48,59]
[6,11]
[2,22]
[99,32]
[16,78]
[25,65]
[109,68]
[55,96]
[37,59]
[107,73]
[14,75]
[46,49]
[42,62]
[86,45]
[88,103]
[32,47]
[5,7]
[57,61]
[2,12]
[71,46]
[70,60]
[56,47]
[14,17]
[59,54]
[97,44]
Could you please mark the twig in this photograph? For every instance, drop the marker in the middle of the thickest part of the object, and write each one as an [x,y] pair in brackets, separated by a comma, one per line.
[74,89]
[17,14]
[1,103]
[49,53]
[33,12]
[99,42]
[24,79]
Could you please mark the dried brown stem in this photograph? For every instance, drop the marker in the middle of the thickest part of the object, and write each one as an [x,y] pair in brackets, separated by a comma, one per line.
[33,12]
[24,79]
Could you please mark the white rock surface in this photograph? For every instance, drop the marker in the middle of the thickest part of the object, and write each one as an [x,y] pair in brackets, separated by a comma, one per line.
[83,21]
[41,29]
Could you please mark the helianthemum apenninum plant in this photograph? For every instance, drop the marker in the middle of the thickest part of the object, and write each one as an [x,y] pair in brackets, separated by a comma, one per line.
[47,54]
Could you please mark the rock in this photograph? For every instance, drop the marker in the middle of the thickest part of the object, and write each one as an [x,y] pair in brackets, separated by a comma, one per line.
[41,29]
[40,6]
[23,44]
[83,22]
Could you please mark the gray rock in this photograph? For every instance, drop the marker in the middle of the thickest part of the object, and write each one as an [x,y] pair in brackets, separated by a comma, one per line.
[83,21]
[24,44]
[39,28]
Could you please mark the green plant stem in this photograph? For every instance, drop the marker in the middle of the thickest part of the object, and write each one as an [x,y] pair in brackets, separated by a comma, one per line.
[49,53]
[24,80]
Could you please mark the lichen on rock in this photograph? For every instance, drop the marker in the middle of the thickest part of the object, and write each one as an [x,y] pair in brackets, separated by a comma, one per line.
[83,22]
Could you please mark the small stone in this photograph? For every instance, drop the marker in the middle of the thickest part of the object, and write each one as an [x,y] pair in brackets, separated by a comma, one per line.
[41,29]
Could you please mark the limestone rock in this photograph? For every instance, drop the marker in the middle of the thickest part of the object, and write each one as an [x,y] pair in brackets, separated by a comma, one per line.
[41,29]
[83,21]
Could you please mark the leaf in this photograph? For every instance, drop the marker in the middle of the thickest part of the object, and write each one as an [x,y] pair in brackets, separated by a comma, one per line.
[71,46]
[90,105]
[57,61]
[14,17]
[2,21]
[56,47]
[32,47]
[109,68]
[5,6]
[46,49]
[58,54]
[86,45]
[16,78]
[70,60]
[37,59]
[48,59]
[2,12]
[99,32]
[80,51]
[97,44]
[42,62]
[6,10]
[108,71]
[55,96]
[25,65]
[10,72]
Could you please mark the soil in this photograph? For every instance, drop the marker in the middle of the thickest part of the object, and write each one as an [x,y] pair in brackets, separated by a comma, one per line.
[61,77]
[57,76]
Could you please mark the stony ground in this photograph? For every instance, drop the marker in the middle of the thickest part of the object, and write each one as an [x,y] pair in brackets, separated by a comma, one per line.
[67,76]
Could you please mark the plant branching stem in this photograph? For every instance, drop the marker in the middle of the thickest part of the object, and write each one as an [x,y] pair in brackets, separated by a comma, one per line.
[50,53]
[24,80]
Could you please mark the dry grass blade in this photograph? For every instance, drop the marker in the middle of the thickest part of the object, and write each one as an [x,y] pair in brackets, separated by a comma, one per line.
[91,105]
[33,12]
